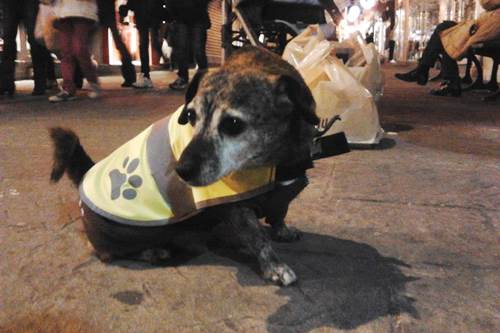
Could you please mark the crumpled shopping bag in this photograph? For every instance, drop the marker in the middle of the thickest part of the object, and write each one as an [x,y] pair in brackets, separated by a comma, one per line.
[365,66]
[335,89]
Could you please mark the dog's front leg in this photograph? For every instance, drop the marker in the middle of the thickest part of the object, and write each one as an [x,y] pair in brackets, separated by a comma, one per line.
[247,228]
[276,208]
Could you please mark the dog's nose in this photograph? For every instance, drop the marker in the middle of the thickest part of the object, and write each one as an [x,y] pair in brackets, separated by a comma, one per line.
[187,170]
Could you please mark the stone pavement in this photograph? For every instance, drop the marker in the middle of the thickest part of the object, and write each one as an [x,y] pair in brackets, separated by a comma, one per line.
[401,238]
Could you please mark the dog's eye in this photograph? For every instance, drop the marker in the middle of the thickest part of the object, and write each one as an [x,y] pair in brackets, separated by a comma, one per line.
[232,126]
[191,115]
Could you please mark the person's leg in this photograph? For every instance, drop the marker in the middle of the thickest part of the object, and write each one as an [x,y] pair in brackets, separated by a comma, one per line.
[392,46]
[493,84]
[451,84]
[434,46]
[82,36]
[38,55]
[155,41]
[467,79]
[144,80]
[78,77]
[182,51]
[127,68]
[7,65]
[199,37]
[450,68]
[66,34]
[144,49]
[50,66]
[429,56]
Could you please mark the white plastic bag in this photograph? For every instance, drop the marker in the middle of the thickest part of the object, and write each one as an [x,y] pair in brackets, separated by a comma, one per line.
[365,66]
[335,89]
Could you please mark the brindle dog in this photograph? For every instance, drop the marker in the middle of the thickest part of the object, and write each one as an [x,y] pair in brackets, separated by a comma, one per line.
[254,111]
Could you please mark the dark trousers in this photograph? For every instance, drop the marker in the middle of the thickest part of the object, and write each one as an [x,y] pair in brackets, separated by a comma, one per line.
[16,12]
[144,32]
[392,46]
[190,39]
[107,19]
[434,49]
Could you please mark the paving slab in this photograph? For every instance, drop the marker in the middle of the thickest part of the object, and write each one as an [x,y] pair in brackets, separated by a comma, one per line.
[402,237]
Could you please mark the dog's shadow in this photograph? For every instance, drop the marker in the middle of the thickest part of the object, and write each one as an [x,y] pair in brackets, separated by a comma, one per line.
[341,283]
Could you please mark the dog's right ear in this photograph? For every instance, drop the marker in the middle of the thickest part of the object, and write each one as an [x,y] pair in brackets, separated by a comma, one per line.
[190,93]
[297,92]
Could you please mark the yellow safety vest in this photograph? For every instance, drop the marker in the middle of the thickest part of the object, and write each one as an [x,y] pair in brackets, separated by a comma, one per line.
[137,183]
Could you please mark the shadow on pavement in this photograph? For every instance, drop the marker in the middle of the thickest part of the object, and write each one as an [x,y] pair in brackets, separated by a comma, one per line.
[341,283]
[394,127]
[385,143]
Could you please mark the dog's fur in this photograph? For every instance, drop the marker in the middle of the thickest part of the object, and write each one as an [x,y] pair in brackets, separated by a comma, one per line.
[254,111]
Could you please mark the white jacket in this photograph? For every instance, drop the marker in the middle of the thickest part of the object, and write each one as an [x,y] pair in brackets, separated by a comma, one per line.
[76,8]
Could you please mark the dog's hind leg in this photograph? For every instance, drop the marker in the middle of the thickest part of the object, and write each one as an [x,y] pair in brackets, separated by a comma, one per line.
[249,232]
[276,208]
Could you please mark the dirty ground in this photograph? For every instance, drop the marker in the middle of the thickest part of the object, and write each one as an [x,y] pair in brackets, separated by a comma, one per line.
[401,238]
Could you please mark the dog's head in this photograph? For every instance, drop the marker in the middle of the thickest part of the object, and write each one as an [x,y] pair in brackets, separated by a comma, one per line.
[245,118]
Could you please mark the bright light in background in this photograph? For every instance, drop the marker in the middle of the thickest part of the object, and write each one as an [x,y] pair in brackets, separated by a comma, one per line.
[367,4]
[353,13]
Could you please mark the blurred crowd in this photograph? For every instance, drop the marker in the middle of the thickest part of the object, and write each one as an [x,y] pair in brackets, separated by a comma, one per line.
[64,30]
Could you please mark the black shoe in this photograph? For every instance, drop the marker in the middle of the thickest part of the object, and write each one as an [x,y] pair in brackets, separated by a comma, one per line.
[52,84]
[492,85]
[448,88]
[9,91]
[416,75]
[38,92]
[127,84]
[467,79]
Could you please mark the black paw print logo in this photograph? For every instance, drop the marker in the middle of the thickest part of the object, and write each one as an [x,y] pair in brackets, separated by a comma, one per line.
[131,182]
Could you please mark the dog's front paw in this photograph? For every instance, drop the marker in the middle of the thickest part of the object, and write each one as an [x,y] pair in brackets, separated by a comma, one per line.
[286,234]
[154,256]
[280,273]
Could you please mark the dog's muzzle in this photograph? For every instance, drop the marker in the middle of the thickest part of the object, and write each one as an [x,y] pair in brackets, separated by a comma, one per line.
[188,170]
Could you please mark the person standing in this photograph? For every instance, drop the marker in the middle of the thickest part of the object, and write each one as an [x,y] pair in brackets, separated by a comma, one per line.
[107,18]
[25,12]
[148,17]
[191,22]
[76,23]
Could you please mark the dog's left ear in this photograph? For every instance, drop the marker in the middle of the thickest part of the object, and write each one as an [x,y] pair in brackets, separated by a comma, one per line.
[190,93]
[299,94]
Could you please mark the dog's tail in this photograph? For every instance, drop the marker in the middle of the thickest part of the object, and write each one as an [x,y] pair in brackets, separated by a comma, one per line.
[69,156]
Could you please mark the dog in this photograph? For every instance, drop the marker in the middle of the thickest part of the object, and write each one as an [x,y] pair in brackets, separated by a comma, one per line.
[254,116]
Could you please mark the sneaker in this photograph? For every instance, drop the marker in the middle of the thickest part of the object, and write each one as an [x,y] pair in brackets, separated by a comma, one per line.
[62,96]
[143,82]
[95,91]
[179,84]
